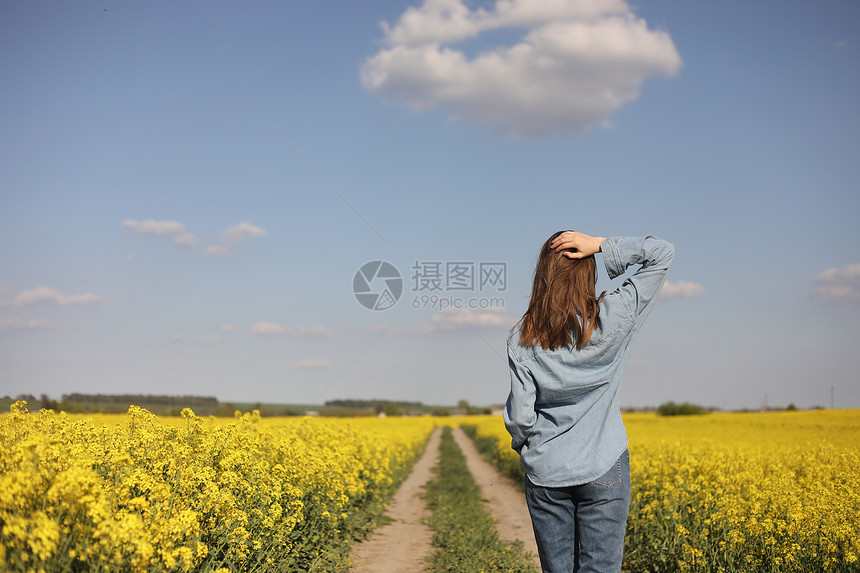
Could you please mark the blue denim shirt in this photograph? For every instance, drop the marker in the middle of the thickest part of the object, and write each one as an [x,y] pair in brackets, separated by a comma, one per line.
[563,411]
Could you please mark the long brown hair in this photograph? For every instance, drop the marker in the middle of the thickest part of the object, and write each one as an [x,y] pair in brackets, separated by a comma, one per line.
[563,307]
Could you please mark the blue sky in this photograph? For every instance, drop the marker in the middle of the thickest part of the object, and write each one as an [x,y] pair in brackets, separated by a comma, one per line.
[188,190]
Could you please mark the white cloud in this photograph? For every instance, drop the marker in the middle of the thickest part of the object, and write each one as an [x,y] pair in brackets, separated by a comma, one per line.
[184,240]
[227,328]
[839,285]
[274,329]
[174,229]
[681,289]
[464,317]
[267,329]
[577,63]
[13,325]
[311,363]
[48,295]
[242,232]
[308,332]
[219,251]
[454,320]
[210,338]
[5,288]
[151,227]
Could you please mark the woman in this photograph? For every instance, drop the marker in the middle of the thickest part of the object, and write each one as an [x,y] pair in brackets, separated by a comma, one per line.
[566,356]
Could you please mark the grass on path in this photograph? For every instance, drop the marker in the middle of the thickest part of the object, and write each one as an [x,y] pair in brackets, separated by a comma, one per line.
[464,533]
[488,446]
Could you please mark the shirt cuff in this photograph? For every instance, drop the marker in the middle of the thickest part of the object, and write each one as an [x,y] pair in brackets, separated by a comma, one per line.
[612,259]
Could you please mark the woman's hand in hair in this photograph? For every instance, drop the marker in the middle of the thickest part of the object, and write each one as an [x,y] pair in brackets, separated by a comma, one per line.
[575,245]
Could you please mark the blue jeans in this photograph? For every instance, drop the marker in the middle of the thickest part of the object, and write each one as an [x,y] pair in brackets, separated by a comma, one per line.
[581,528]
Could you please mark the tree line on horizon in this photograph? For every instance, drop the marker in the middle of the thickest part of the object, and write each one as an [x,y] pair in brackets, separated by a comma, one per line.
[167,405]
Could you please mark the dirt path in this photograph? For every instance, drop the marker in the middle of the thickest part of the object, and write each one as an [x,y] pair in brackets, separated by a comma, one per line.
[506,501]
[404,544]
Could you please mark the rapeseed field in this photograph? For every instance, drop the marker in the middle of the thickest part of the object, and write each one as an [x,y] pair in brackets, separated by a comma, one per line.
[140,493]
[723,492]
[737,492]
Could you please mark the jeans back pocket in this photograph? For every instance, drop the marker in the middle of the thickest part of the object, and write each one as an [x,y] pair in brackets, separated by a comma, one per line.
[614,475]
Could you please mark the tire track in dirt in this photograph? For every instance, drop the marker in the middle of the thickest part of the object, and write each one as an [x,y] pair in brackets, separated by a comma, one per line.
[404,544]
[506,502]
